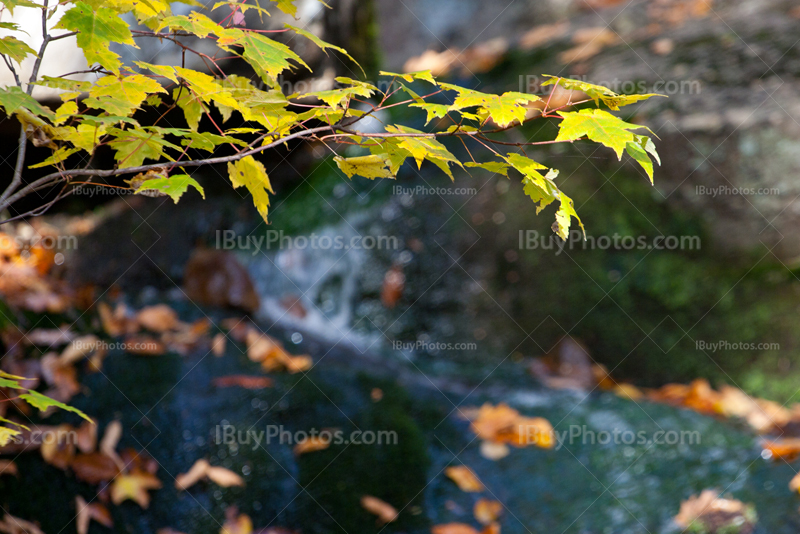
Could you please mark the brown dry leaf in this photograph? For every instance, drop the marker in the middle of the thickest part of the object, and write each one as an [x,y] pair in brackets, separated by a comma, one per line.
[62,377]
[243,381]
[15,525]
[492,528]
[144,345]
[218,344]
[376,394]
[8,467]
[271,354]
[118,322]
[297,364]
[311,444]
[187,336]
[108,445]
[195,473]
[542,35]
[487,511]
[491,450]
[79,349]
[94,468]
[216,278]
[158,318]
[711,513]
[394,282]
[464,478]
[58,449]
[491,420]
[87,512]
[224,477]
[386,512]
[50,337]
[134,486]
[453,528]
[86,437]
[236,523]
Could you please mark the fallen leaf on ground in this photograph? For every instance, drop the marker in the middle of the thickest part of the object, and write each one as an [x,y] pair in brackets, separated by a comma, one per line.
[311,444]
[158,318]
[708,512]
[216,278]
[794,484]
[494,451]
[143,345]
[8,467]
[58,448]
[784,449]
[86,437]
[79,349]
[15,525]
[218,344]
[503,424]
[111,437]
[94,468]
[243,381]
[454,528]
[386,512]
[50,337]
[117,322]
[464,478]
[202,469]
[487,511]
[236,523]
[134,486]
[393,284]
[87,512]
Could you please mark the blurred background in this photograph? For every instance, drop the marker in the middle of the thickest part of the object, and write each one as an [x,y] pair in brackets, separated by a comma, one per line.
[676,315]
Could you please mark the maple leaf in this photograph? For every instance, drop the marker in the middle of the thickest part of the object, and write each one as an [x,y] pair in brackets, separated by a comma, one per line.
[503,109]
[599,126]
[97,28]
[174,186]
[91,511]
[134,486]
[136,145]
[251,173]
[14,100]
[121,95]
[268,57]
[598,92]
[411,76]
[422,148]
[316,40]
[373,166]
[487,511]
[43,402]
[15,49]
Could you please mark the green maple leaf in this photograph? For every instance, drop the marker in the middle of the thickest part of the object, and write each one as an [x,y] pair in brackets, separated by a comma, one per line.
[411,76]
[599,126]
[122,95]
[174,186]
[15,49]
[97,28]
[598,92]
[373,166]
[422,148]
[42,402]
[268,58]
[497,167]
[251,173]
[319,42]
[11,4]
[435,111]
[503,109]
[136,145]
[15,100]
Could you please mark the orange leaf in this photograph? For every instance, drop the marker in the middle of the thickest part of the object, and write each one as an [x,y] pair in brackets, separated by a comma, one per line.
[464,478]
[487,511]
[453,528]
[159,318]
[242,381]
[311,444]
[386,512]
